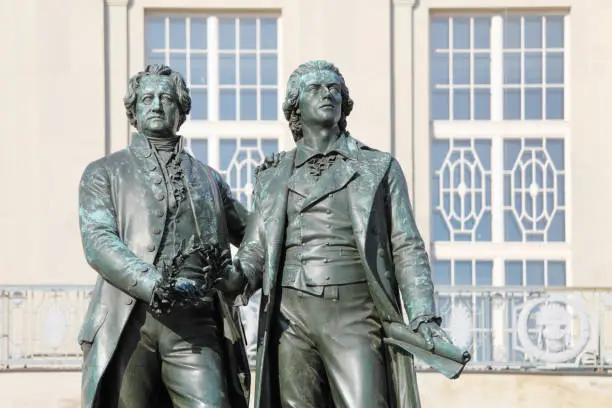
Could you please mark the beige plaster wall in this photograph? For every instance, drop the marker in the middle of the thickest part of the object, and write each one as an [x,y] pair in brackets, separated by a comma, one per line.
[53,107]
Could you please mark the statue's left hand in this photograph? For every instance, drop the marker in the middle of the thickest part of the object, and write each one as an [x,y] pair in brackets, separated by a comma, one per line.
[429,331]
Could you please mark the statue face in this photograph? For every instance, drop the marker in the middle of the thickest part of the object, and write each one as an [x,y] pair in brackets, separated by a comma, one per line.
[157,110]
[320,98]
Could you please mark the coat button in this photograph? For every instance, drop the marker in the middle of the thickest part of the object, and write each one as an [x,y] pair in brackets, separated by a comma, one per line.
[147,153]
[129,302]
[160,196]
[381,252]
[156,179]
[160,212]
[150,247]
[157,230]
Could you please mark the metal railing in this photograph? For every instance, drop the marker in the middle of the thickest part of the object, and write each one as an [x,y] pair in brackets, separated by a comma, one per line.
[505,328]
[530,328]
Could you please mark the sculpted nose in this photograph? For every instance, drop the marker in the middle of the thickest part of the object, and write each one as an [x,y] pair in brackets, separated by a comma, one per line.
[156,104]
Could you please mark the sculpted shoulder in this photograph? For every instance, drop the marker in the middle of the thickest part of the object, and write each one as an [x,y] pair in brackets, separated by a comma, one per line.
[370,153]
[269,162]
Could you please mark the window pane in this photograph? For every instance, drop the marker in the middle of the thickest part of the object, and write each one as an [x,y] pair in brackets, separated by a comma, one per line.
[533,32]
[227,33]
[512,68]
[461,104]
[178,38]
[248,104]
[441,272]
[534,193]
[199,104]
[484,273]
[248,69]
[461,195]
[227,104]
[556,274]
[438,33]
[440,68]
[248,34]
[461,68]
[482,32]
[155,33]
[482,68]
[440,103]
[463,272]
[554,67]
[512,104]
[533,67]
[512,32]
[268,34]
[156,58]
[198,35]
[514,273]
[554,32]
[178,62]
[535,273]
[461,33]
[269,69]
[227,69]
[269,104]
[482,104]
[533,103]
[554,103]
[199,147]
[199,69]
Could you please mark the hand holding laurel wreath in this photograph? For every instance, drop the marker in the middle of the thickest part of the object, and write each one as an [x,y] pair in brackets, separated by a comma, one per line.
[189,280]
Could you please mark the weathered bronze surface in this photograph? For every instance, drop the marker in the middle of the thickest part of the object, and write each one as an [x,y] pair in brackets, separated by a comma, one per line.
[332,241]
[155,223]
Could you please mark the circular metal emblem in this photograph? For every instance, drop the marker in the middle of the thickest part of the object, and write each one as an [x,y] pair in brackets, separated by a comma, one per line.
[555,316]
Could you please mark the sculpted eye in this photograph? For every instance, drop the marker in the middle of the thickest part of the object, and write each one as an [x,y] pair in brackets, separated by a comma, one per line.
[167,99]
[147,99]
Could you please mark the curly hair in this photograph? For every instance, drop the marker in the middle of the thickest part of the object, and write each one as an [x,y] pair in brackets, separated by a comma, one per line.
[180,87]
[292,97]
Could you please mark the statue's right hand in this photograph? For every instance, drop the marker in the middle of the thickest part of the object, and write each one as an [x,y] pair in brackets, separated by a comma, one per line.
[186,286]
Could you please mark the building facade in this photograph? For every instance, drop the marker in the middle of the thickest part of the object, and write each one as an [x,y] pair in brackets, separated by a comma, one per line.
[495,109]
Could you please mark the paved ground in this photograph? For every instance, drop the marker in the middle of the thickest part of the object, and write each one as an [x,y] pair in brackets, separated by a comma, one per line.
[61,390]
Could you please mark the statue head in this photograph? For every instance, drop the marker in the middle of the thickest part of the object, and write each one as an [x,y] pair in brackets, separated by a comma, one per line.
[157,101]
[316,93]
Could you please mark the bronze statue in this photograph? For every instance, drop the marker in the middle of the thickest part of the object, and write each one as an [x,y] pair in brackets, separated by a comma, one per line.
[156,224]
[332,241]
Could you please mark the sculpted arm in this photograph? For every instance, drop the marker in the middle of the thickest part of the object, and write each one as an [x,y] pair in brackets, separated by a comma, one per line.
[104,250]
[235,213]
[412,267]
[250,259]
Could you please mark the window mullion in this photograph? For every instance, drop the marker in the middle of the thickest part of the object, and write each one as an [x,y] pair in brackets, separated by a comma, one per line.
[498,321]
[497,148]
[213,68]
[167,41]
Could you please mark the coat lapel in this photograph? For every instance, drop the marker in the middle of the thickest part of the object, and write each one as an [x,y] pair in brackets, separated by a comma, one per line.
[273,196]
[335,179]
[370,171]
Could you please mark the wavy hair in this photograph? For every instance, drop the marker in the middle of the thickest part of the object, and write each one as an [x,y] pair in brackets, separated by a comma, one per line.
[292,97]
[180,87]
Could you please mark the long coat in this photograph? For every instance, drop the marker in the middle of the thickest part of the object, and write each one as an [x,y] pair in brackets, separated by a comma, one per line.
[389,244]
[122,212]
